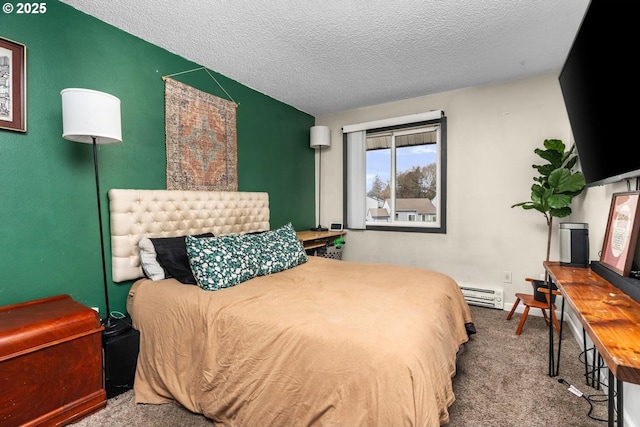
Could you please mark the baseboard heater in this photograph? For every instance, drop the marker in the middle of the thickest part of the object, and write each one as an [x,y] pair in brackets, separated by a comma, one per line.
[491,298]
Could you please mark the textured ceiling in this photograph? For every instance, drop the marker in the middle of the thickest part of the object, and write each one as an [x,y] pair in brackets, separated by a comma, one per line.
[326,56]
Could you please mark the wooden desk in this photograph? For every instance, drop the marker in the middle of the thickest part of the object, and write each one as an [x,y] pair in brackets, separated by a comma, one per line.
[611,319]
[317,239]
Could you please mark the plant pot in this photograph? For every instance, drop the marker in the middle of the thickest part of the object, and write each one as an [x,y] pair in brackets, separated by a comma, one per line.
[541,296]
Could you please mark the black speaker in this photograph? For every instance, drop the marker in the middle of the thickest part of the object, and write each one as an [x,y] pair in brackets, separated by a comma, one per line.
[120,345]
[574,244]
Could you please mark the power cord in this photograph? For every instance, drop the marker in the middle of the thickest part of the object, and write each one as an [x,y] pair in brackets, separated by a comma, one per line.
[122,317]
[117,314]
[589,375]
[590,399]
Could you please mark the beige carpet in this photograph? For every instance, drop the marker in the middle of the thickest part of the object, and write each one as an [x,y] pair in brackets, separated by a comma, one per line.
[502,381]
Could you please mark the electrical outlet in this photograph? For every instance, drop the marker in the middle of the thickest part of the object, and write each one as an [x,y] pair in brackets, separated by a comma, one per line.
[96,309]
[506,276]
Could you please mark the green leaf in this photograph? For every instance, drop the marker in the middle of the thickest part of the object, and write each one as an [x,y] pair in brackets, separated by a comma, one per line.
[537,191]
[544,170]
[558,178]
[553,157]
[565,182]
[558,201]
[555,145]
[560,213]
[571,162]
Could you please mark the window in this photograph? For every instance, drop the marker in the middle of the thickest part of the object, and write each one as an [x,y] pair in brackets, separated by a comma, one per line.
[395,174]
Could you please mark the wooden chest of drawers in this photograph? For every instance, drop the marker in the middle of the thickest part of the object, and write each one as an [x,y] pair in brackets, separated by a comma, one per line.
[50,362]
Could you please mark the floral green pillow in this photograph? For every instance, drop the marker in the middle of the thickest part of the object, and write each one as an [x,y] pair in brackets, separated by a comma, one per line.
[223,261]
[281,250]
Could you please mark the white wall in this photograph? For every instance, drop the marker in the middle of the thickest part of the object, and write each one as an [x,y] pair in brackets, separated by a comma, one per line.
[492,132]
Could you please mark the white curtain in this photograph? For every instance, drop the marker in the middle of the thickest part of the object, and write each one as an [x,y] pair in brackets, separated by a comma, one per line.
[356,180]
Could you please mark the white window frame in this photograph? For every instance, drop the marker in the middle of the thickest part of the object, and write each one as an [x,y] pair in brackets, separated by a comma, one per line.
[355,172]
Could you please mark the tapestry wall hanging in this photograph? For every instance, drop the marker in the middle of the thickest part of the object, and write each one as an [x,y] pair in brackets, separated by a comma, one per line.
[200,139]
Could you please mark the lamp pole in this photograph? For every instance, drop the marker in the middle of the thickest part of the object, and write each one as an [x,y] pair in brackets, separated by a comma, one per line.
[107,321]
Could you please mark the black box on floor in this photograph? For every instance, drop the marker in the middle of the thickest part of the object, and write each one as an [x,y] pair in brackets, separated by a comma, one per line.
[121,343]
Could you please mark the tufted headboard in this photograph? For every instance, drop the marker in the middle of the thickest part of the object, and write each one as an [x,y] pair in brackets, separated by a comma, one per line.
[168,213]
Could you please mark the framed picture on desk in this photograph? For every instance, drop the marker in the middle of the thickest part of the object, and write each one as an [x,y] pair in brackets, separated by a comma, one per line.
[622,232]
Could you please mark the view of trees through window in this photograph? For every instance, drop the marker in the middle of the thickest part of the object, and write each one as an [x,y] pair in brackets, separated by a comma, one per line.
[417,182]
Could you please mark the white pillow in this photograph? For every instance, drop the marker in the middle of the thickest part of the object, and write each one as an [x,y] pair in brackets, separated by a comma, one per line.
[150,265]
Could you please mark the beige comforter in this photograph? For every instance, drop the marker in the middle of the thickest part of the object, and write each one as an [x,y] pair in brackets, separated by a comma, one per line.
[326,343]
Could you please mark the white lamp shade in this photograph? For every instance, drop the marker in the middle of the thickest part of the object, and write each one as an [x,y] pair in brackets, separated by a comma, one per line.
[320,136]
[88,113]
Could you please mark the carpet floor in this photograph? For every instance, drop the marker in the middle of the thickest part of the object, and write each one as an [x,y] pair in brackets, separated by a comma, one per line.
[501,381]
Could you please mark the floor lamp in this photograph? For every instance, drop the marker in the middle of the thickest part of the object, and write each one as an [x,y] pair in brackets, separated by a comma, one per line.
[93,117]
[320,137]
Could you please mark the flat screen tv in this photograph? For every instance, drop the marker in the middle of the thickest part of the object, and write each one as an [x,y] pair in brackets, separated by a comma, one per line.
[599,85]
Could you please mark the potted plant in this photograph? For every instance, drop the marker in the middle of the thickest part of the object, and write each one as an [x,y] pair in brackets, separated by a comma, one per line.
[554,189]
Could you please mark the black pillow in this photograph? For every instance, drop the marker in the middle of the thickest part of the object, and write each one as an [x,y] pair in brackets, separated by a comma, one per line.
[171,253]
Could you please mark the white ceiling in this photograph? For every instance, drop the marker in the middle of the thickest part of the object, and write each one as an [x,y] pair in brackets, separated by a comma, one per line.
[327,56]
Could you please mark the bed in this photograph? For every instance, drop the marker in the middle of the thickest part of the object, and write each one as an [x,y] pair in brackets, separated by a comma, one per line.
[320,342]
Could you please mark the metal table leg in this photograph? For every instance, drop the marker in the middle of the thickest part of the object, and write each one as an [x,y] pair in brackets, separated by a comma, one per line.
[615,402]
[557,371]
[552,373]
[619,402]
[610,405]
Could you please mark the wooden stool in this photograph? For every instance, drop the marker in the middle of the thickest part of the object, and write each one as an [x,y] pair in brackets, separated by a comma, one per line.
[529,302]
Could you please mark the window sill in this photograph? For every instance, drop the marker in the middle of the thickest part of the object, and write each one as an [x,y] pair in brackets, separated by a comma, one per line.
[407,229]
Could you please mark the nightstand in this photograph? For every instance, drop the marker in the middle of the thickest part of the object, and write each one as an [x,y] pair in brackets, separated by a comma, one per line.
[121,344]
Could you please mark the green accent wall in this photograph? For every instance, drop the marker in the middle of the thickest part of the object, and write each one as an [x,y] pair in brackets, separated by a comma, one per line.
[49,238]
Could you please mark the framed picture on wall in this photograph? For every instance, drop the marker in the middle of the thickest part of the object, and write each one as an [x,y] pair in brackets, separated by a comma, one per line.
[622,232]
[13,85]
